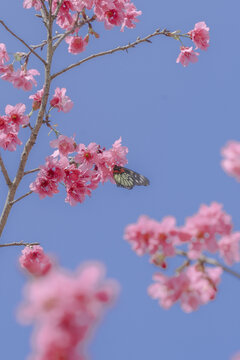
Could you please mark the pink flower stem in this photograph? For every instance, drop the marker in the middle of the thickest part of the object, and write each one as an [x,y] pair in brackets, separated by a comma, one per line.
[5,173]
[206,260]
[19,244]
[112,51]
[23,42]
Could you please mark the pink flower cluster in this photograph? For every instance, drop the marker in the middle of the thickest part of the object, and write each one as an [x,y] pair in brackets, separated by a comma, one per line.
[209,230]
[231,159]
[111,12]
[80,173]
[35,261]
[65,308]
[10,125]
[200,36]
[192,288]
[59,100]
[21,78]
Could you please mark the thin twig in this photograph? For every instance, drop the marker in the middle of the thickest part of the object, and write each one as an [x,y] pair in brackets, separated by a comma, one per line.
[44,7]
[30,171]
[23,42]
[210,261]
[112,51]
[5,173]
[21,197]
[19,244]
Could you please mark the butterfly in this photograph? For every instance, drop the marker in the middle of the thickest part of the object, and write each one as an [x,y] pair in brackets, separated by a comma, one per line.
[127,178]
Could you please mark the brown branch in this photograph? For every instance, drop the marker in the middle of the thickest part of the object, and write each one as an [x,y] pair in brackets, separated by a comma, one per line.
[112,51]
[206,260]
[19,244]
[44,7]
[5,173]
[23,42]
[30,171]
[34,134]
[21,197]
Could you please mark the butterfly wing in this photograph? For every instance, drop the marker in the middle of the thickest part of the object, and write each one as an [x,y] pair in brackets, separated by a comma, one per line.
[128,178]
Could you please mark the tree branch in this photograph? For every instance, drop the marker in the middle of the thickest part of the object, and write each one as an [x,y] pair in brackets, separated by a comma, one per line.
[23,42]
[5,173]
[30,171]
[21,197]
[119,48]
[34,133]
[19,244]
[206,260]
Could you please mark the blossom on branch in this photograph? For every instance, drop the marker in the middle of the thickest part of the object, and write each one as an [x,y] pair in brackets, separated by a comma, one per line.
[187,55]
[37,99]
[35,261]
[193,287]
[65,309]
[76,44]
[61,101]
[81,173]
[200,35]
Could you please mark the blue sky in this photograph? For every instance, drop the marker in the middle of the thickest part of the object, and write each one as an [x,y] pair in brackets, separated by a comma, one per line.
[174,121]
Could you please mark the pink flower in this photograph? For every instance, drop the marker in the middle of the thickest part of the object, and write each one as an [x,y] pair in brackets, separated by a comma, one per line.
[27,4]
[22,78]
[3,54]
[37,99]
[200,35]
[48,178]
[65,309]
[116,13]
[209,222]
[87,154]
[64,19]
[229,248]
[148,235]
[61,101]
[15,115]
[64,144]
[187,55]
[231,159]
[131,14]
[76,44]
[10,140]
[35,261]
[192,288]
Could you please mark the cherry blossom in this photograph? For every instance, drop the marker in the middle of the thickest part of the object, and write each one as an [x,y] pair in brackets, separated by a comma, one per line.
[64,144]
[61,101]
[76,44]
[192,288]
[80,173]
[37,99]
[229,248]
[200,35]
[27,4]
[231,159]
[187,55]
[65,309]
[35,261]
